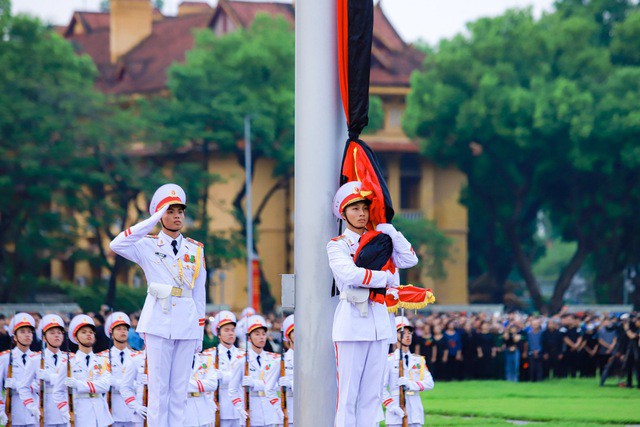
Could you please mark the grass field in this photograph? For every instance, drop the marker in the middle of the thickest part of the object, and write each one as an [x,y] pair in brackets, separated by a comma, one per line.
[568,402]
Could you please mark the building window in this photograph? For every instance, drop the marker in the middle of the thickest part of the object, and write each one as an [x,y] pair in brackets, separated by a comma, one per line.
[394,117]
[410,177]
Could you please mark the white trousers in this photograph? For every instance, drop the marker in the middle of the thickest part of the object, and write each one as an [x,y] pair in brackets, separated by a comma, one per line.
[230,423]
[360,366]
[119,424]
[169,363]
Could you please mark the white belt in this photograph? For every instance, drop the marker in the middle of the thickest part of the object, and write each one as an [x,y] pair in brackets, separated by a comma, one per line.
[87,395]
[258,394]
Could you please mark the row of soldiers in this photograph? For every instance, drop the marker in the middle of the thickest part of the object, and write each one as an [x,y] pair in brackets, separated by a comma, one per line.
[227,386]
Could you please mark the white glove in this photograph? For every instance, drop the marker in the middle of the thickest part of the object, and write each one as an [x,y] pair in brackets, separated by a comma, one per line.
[71,382]
[10,383]
[280,413]
[143,379]
[199,347]
[408,384]
[391,279]
[43,375]
[223,376]
[247,381]
[3,418]
[240,411]
[34,410]
[285,382]
[387,229]
[393,292]
[193,387]
[138,408]
[395,410]
[66,415]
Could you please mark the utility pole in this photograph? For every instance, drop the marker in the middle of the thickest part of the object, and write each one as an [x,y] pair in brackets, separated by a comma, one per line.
[248,207]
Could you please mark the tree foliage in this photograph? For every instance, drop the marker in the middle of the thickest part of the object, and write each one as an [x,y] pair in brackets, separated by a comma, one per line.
[539,116]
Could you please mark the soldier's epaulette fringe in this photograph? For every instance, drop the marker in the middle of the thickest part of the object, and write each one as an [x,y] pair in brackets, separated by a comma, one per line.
[152,236]
[335,239]
[195,242]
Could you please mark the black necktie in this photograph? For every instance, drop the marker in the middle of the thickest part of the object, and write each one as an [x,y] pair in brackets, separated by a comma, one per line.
[229,354]
[55,360]
[406,359]
[194,357]
[88,358]
[24,359]
[258,359]
[122,357]
[174,243]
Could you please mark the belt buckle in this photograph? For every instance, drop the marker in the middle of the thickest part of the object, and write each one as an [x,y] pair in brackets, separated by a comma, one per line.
[262,394]
[196,394]
[176,292]
[409,393]
[92,395]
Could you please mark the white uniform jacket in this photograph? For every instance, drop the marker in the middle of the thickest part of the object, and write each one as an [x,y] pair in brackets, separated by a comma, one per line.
[119,410]
[132,384]
[30,384]
[183,316]
[416,371]
[226,365]
[19,413]
[89,399]
[288,373]
[204,379]
[348,324]
[263,395]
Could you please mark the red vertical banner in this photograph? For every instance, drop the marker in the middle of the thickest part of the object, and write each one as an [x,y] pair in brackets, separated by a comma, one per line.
[256,285]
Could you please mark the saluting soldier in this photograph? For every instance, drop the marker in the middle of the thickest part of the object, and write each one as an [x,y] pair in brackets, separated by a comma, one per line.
[201,410]
[117,327]
[286,381]
[172,318]
[51,331]
[89,381]
[262,380]
[27,412]
[224,324]
[362,328]
[415,380]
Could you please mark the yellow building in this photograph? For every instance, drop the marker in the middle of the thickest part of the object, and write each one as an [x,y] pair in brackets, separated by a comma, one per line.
[134,45]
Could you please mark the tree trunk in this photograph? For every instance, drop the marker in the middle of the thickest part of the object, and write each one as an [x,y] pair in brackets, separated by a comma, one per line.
[564,280]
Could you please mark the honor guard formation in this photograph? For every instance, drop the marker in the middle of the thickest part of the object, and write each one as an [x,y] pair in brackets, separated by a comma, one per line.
[165,371]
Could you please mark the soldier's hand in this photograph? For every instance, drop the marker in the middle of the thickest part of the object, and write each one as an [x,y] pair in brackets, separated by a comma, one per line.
[240,411]
[43,375]
[280,413]
[387,229]
[391,278]
[34,410]
[66,415]
[395,410]
[393,292]
[138,408]
[3,418]
[71,382]
[247,381]
[10,383]
[285,382]
[143,379]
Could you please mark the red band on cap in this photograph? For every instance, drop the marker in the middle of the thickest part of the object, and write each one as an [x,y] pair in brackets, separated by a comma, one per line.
[351,198]
[171,200]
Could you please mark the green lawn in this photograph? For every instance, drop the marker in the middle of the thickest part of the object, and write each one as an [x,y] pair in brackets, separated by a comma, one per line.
[569,402]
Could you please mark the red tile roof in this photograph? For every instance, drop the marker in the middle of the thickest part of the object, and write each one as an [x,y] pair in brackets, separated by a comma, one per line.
[144,68]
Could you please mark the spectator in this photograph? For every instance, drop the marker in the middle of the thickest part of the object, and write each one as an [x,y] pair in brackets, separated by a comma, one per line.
[209,339]
[454,356]
[589,352]
[572,339]
[5,339]
[486,352]
[102,340]
[426,345]
[512,340]
[134,339]
[439,355]
[534,351]
[607,343]
[552,349]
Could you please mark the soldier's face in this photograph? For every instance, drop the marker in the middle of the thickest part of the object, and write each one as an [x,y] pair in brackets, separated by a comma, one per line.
[24,336]
[228,334]
[258,337]
[292,336]
[357,214]
[120,333]
[173,218]
[54,337]
[404,338]
[86,336]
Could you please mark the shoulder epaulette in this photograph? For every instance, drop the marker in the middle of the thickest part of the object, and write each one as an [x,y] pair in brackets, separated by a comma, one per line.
[34,354]
[5,352]
[103,353]
[195,242]
[209,351]
[335,239]
[136,353]
[152,236]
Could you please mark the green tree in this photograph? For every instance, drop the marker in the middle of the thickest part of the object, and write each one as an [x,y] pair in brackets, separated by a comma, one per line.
[528,110]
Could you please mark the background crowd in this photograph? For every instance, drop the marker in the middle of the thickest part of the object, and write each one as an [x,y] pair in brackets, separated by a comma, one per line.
[474,346]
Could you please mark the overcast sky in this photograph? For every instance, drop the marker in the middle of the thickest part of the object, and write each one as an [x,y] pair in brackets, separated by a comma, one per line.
[428,20]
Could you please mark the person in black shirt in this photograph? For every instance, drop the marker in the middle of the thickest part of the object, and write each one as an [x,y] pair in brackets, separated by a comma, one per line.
[485,351]
[572,339]
[440,355]
[426,345]
[631,328]
[469,353]
[589,352]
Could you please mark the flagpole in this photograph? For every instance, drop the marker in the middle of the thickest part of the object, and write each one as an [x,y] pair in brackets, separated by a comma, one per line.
[319,138]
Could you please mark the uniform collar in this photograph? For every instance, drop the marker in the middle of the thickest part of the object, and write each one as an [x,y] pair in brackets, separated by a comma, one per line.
[397,353]
[18,353]
[164,241]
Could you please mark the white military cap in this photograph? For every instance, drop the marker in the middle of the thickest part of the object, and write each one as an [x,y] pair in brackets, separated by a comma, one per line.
[349,193]
[256,322]
[167,195]
[47,322]
[403,322]
[78,322]
[116,318]
[20,320]
[223,318]
[248,311]
[287,327]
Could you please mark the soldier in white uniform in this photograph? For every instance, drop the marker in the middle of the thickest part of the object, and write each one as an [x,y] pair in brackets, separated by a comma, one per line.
[117,327]
[201,410]
[286,381]
[51,331]
[415,380]
[224,324]
[172,318]
[133,383]
[90,378]
[241,327]
[362,328]
[264,371]
[23,412]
